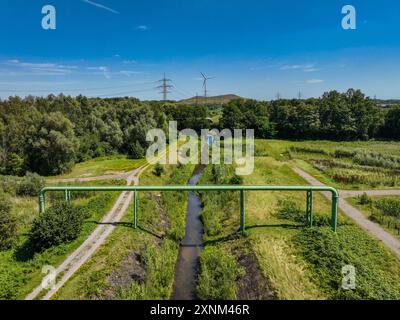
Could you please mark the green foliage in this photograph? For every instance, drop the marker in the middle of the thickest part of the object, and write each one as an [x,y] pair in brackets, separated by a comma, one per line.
[158,170]
[8,224]
[30,185]
[364,199]
[250,114]
[61,223]
[306,149]
[344,153]
[327,253]
[377,159]
[219,273]
[52,146]
[290,210]
[15,165]
[389,207]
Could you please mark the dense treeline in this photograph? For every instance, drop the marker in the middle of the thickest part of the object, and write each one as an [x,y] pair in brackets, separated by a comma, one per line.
[49,135]
[337,116]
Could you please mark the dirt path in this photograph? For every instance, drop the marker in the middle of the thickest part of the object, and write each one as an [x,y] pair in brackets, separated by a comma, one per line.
[93,242]
[120,176]
[373,228]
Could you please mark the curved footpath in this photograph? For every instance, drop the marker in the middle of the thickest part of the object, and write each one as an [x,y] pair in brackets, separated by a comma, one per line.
[373,228]
[95,240]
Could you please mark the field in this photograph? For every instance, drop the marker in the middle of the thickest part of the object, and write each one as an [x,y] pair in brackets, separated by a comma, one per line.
[383,210]
[279,257]
[344,165]
[110,165]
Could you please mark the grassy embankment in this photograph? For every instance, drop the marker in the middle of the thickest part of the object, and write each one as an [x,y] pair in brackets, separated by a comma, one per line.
[138,264]
[21,266]
[295,262]
[109,165]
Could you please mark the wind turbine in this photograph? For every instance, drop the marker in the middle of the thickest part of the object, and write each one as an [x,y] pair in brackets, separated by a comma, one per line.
[205,83]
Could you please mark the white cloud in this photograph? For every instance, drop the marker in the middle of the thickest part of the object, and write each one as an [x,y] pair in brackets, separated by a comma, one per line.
[303,67]
[142,28]
[101,70]
[315,81]
[129,61]
[98,5]
[129,73]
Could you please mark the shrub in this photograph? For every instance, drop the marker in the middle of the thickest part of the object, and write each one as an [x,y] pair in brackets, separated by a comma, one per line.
[219,274]
[289,210]
[344,153]
[8,224]
[389,207]
[30,185]
[236,180]
[158,170]
[62,223]
[364,199]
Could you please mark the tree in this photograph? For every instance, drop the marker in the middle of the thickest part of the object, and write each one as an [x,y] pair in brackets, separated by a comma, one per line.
[391,128]
[52,148]
[62,223]
[8,224]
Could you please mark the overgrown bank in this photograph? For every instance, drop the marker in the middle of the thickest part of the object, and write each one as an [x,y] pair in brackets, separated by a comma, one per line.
[138,264]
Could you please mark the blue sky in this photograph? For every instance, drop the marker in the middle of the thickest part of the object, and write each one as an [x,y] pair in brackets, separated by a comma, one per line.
[254,48]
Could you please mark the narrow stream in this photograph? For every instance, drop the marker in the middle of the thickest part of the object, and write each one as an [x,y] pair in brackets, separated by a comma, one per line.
[187,266]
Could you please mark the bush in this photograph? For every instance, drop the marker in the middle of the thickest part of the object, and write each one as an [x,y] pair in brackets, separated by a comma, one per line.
[344,153]
[290,210]
[62,223]
[158,170]
[364,199]
[236,180]
[219,274]
[389,207]
[30,185]
[8,224]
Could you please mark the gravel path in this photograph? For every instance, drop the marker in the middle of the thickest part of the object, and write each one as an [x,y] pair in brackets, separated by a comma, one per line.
[94,241]
[373,228]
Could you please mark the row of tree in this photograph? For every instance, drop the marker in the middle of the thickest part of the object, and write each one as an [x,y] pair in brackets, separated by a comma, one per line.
[339,116]
[49,135]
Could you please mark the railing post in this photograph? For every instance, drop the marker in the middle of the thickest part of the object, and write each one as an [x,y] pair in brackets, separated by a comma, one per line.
[242,211]
[310,208]
[335,200]
[135,209]
[41,202]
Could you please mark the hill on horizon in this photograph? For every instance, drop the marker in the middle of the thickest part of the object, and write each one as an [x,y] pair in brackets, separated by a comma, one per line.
[211,100]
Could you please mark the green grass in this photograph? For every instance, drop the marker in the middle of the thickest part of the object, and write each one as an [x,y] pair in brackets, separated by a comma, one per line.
[102,166]
[297,261]
[144,258]
[363,165]
[374,212]
[20,267]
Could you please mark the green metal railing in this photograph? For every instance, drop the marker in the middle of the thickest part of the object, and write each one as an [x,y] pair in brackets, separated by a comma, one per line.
[242,189]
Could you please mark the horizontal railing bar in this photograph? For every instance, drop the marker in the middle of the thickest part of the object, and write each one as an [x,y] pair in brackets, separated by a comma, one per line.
[195,188]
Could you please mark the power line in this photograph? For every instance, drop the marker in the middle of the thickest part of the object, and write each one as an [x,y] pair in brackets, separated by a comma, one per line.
[165,86]
[76,90]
